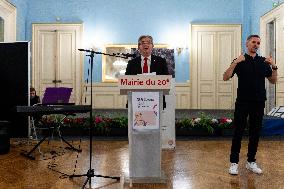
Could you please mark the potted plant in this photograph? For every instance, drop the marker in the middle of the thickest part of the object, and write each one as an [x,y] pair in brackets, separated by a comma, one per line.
[119,126]
[200,126]
[226,126]
[74,126]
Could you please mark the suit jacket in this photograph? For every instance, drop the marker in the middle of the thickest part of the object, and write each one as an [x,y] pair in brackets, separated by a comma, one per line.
[158,65]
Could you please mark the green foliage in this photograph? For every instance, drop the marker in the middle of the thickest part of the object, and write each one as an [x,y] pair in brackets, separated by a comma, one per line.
[184,123]
[205,122]
[226,125]
[104,124]
[119,122]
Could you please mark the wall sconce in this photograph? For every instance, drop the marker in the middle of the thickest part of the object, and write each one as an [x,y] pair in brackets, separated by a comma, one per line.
[179,50]
[275,3]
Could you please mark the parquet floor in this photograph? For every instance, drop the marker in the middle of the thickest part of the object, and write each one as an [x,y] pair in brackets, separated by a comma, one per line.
[194,164]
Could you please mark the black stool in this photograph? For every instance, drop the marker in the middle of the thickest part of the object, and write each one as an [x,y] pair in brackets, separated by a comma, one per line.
[4,137]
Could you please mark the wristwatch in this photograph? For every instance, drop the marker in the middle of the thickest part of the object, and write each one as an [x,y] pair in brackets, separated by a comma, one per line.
[274,67]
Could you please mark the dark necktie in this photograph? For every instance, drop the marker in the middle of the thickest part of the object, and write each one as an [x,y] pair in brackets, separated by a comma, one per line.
[145,66]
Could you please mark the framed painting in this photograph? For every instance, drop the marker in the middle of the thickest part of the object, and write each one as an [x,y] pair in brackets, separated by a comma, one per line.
[114,66]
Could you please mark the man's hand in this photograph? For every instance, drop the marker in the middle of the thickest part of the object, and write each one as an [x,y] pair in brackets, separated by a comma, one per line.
[270,61]
[228,73]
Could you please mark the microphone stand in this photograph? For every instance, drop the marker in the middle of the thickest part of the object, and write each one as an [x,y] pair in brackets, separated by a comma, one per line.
[90,173]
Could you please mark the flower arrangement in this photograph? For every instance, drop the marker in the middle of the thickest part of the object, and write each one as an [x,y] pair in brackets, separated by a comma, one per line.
[206,122]
[201,122]
[105,124]
[77,121]
[101,124]
[224,123]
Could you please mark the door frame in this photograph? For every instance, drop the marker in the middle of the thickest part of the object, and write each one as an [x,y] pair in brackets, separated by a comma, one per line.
[9,14]
[277,16]
[79,66]
[193,61]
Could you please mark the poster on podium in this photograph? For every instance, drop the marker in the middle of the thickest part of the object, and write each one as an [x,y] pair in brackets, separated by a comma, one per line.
[145,110]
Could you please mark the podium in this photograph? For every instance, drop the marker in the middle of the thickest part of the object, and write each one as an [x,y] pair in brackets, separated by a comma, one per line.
[168,120]
[145,105]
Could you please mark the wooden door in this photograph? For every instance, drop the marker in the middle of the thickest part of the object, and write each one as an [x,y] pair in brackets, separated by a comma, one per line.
[56,60]
[213,47]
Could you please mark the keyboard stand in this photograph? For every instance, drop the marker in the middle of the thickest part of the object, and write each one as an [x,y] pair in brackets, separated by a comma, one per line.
[70,147]
[56,128]
[29,154]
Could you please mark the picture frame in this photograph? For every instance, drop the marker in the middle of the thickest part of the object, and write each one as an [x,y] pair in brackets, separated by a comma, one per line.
[113,66]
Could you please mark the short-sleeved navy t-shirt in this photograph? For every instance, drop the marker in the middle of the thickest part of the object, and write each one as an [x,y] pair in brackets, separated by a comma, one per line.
[251,78]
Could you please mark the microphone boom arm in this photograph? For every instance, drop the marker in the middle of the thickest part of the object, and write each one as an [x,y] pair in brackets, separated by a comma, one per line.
[119,55]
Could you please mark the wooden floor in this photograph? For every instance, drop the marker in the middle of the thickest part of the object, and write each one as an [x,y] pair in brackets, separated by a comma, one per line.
[194,164]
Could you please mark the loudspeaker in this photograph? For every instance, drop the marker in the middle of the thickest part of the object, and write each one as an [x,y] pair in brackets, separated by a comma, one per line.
[15,78]
[4,137]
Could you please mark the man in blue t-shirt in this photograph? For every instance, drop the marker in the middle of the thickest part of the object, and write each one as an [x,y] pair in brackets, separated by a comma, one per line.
[251,70]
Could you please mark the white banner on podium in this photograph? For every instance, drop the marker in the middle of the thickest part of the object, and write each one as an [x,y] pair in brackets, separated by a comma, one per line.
[145,110]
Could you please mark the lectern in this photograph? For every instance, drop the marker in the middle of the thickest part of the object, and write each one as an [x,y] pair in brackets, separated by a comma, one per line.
[145,104]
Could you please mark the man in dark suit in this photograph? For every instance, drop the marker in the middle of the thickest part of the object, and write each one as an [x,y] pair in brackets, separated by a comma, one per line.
[146,62]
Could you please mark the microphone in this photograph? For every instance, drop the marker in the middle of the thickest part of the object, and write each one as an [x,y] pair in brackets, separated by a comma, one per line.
[128,55]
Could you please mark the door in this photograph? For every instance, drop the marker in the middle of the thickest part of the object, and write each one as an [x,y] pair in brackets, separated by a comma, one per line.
[8,18]
[213,47]
[272,39]
[271,50]
[279,61]
[56,60]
